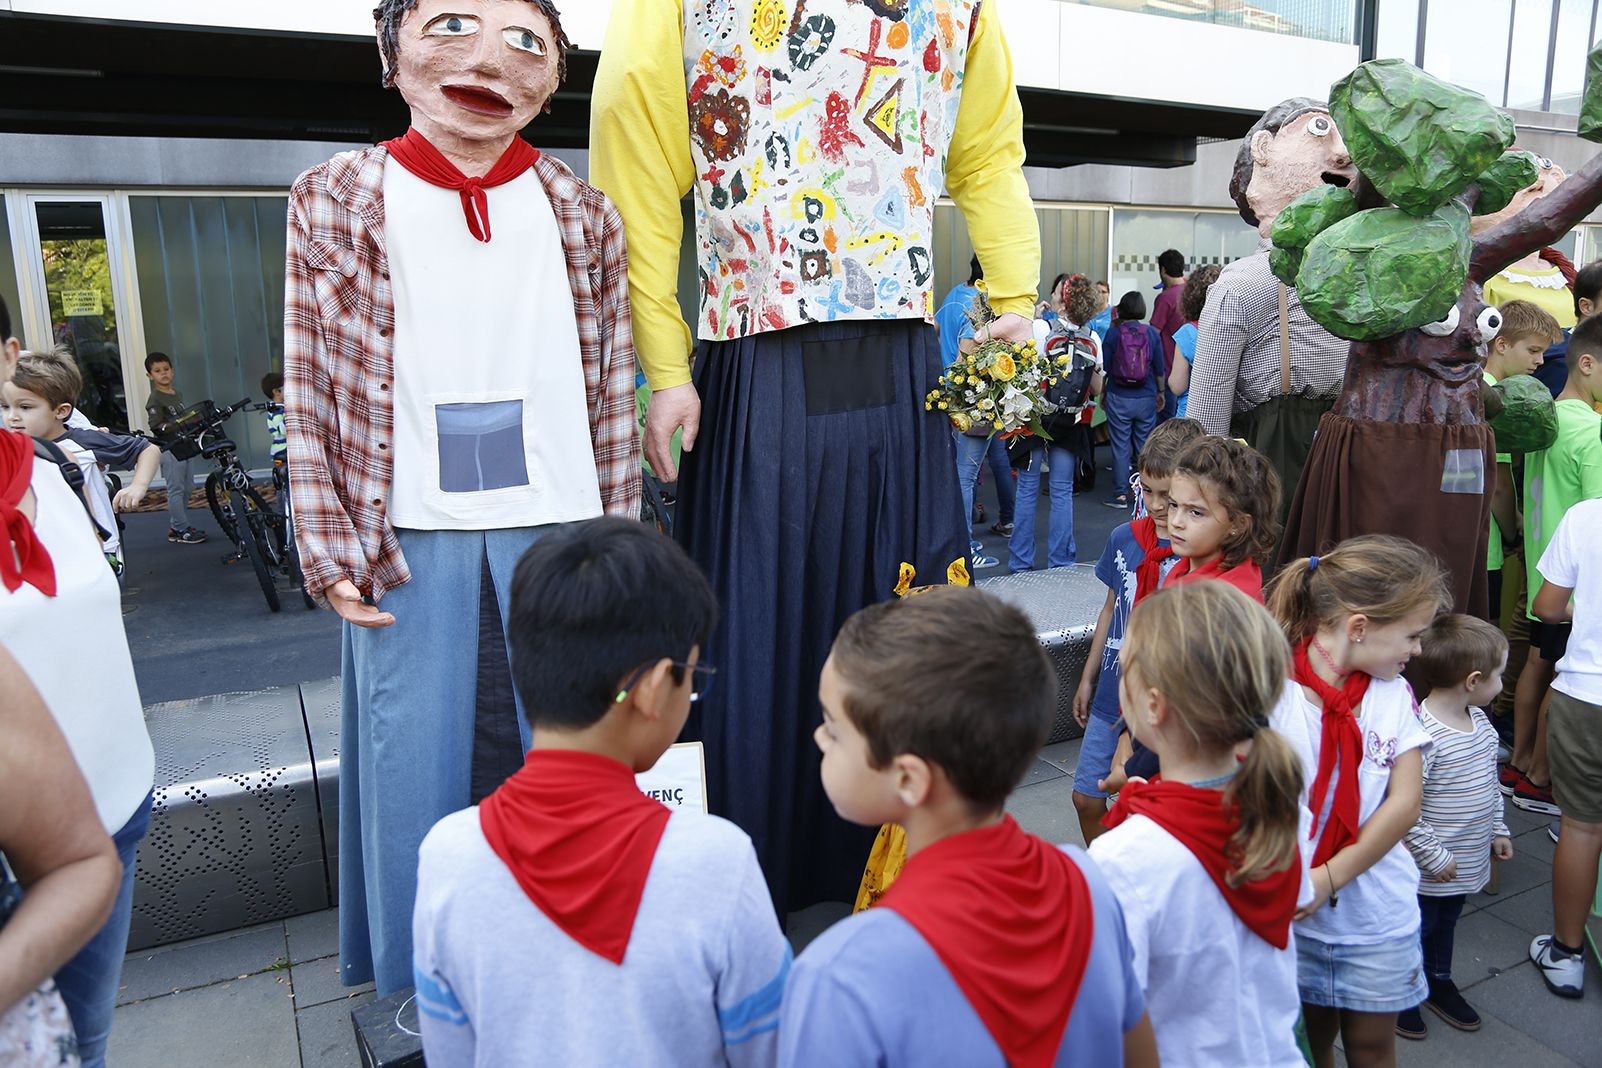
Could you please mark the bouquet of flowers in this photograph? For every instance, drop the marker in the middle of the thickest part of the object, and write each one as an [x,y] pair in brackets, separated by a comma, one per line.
[1002,383]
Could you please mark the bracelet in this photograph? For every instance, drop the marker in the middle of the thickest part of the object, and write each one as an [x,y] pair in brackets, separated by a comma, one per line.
[1334,894]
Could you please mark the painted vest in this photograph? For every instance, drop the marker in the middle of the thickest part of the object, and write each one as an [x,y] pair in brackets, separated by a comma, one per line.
[819,133]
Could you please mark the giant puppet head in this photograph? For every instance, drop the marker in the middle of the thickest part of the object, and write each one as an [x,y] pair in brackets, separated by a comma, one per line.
[472,71]
[1294,147]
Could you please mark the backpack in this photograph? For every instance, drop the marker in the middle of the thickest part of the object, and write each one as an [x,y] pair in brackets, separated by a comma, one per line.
[1071,394]
[1131,364]
[52,453]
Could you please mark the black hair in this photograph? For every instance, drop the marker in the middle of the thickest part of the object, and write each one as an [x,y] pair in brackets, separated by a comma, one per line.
[157,357]
[1587,284]
[975,272]
[1132,307]
[1172,263]
[1585,340]
[270,381]
[389,14]
[1273,120]
[593,602]
[5,322]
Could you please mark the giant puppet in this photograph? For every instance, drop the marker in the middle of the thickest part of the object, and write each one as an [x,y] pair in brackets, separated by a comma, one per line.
[1263,370]
[458,375]
[816,136]
[1406,449]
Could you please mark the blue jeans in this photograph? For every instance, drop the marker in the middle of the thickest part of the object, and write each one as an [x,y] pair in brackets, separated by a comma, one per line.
[89,981]
[1060,539]
[970,454]
[1437,925]
[1001,471]
[1131,415]
[406,754]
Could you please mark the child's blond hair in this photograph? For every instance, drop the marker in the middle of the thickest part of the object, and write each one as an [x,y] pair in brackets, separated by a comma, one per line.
[53,376]
[1219,660]
[1165,445]
[1523,318]
[1379,576]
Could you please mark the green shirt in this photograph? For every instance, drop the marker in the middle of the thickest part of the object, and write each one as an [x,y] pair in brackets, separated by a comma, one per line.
[1494,557]
[1558,478]
[163,406]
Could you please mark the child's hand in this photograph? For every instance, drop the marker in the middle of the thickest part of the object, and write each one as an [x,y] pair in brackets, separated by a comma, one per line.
[1321,890]
[1116,780]
[1448,873]
[1082,698]
[128,498]
[1502,848]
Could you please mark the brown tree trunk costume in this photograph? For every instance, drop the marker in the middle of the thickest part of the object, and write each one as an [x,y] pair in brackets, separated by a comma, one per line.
[1406,450]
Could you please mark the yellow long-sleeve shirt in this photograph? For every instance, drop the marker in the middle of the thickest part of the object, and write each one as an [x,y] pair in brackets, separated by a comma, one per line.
[641,157]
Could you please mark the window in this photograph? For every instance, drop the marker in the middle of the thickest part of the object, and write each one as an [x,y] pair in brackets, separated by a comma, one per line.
[1396,35]
[1471,52]
[1073,240]
[1576,23]
[1532,36]
[1141,235]
[1321,20]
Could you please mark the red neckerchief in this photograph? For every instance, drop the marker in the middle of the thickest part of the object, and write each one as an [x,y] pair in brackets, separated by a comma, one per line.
[579,838]
[1150,569]
[23,557]
[416,154]
[1246,576]
[1341,741]
[1203,825]
[1011,918]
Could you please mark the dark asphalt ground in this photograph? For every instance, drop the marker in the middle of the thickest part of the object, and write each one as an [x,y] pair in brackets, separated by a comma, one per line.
[198,627]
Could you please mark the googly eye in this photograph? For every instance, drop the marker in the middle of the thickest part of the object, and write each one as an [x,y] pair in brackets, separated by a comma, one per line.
[1489,324]
[452,26]
[525,41]
[1445,326]
[1545,163]
[1320,126]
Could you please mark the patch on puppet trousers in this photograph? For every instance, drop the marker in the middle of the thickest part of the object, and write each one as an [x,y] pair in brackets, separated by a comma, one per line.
[481,446]
[1464,472]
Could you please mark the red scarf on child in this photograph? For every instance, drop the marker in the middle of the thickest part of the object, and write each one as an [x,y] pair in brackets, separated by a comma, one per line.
[579,838]
[1011,918]
[1246,576]
[421,158]
[1200,821]
[22,555]
[1341,744]
[1149,572]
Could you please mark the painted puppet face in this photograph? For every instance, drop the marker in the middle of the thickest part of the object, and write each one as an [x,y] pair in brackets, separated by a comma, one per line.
[476,69]
[1549,177]
[1307,151]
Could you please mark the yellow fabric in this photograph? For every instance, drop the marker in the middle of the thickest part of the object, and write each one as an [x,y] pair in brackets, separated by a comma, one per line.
[885,862]
[1508,286]
[640,158]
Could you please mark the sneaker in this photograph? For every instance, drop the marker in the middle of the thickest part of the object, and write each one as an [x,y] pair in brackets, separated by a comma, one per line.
[981,562]
[1448,1003]
[1410,1024]
[1552,830]
[1533,798]
[1004,529]
[1564,974]
[1508,778]
[191,536]
[976,549]
[1120,501]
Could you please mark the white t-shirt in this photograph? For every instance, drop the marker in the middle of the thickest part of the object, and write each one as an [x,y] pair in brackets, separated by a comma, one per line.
[75,651]
[1216,992]
[492,426]
[1381,904]
[1565,564]
[95,491]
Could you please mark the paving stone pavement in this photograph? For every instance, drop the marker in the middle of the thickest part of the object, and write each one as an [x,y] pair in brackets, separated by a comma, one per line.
[270,995]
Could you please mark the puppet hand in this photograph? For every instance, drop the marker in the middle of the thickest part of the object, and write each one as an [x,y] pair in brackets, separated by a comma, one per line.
[670,409]
[1010,327]
[346,599]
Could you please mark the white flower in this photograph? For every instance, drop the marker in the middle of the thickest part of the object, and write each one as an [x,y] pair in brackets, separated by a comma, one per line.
[1016,407]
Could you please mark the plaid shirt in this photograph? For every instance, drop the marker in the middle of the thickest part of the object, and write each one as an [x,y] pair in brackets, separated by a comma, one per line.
[339,362]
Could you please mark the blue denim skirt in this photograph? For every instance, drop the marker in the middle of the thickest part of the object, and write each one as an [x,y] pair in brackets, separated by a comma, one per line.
[1386,977]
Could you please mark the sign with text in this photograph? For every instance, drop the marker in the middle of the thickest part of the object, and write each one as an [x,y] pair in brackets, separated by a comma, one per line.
[79,302]
[679,779]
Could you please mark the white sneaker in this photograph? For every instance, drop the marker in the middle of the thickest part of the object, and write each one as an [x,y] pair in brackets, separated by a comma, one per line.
[1564,976]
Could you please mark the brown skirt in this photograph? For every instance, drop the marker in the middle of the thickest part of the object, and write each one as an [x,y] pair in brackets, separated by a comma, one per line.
[1428,483]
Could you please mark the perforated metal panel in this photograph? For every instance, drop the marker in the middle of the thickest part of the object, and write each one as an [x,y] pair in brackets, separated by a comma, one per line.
[320,702]
[235,835]
[1063,603]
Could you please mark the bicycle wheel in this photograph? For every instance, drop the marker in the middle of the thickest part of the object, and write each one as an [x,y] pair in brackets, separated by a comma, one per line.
[252,542]
[269,528]
[215,496]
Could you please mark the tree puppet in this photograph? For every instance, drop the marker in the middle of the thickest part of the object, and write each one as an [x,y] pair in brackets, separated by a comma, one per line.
[459,374]
[1406,449]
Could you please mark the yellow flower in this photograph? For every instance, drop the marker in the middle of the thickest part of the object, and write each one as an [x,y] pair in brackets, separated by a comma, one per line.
[1064,361]
[958,380]
[960,421]
[928,407]
[972,360]
[944,406]
[1003,368]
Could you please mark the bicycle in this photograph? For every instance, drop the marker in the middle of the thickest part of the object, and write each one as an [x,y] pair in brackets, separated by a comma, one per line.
[260,533]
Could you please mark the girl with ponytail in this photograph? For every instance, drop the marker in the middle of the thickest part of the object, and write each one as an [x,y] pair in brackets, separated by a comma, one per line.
[1354,617]
[1205,859]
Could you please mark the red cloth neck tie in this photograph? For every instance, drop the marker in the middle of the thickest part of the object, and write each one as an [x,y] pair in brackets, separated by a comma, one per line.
[1202,823]
[23,557]
[421,158]
[1341,745]
[1150,569]
[1012,919]
[579,838]
[1245,576]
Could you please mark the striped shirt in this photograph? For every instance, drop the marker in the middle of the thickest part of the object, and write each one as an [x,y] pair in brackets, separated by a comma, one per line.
[1462,807]
[1237,354]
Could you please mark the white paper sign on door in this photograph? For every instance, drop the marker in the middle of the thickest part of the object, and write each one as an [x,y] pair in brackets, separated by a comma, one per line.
[679,779]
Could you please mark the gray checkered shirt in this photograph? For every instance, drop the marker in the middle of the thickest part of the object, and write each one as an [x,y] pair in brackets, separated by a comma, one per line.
[1237,351]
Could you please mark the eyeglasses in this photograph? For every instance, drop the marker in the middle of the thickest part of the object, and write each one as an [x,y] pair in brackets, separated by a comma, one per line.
[700,679]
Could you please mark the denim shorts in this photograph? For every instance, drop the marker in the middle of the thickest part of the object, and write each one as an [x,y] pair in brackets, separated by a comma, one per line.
[1386,977]
[1096,754]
